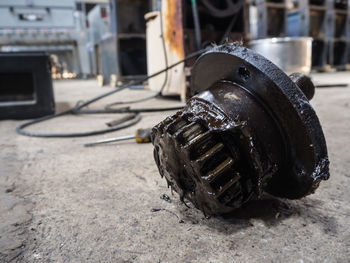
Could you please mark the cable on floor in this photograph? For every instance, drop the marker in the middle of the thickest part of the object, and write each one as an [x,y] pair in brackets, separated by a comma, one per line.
[78,108]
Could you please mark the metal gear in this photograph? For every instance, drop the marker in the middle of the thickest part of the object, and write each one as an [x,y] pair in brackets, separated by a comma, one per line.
[248,128]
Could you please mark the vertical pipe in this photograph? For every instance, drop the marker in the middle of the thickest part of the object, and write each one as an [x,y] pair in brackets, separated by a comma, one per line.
[197,29]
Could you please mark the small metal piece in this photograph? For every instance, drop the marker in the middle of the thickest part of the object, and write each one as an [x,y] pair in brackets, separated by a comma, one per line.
[333,85]
[165,198]
[122,138]
[121,120]
[141,136]
[247,129]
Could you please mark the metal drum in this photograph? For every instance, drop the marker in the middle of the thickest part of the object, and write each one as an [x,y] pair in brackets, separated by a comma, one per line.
[291,54]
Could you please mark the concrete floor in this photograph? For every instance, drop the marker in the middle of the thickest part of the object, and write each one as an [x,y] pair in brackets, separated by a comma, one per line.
[61,202]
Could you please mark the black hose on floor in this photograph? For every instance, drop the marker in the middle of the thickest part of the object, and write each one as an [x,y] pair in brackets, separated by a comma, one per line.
[78,109]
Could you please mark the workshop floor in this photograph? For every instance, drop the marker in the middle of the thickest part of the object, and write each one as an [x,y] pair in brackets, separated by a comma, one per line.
[62,202]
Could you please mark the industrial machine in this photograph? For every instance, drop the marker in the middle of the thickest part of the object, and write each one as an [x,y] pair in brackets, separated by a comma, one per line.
[271,18]
[178,28]
[25,86]
[326,21]
[248,128]
[120,49]
[99,29]
[52,26]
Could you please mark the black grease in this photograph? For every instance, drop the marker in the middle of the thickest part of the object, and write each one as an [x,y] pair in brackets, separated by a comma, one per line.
[173,163]
[256,112]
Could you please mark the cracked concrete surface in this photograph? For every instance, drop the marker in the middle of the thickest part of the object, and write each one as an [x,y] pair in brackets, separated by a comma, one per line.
[61,202]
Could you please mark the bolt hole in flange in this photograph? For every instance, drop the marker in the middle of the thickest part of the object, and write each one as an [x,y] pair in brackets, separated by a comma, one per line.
[219,175]
[244,73]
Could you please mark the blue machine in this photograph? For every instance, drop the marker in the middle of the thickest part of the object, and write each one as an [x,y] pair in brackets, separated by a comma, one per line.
[52,26]
[327,21]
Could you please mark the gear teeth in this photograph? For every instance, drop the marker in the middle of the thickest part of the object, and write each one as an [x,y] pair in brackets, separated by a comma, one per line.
[211,152]
[187,133]
[229,184]
[176,126]
[216,165]
[199,145]
[191,131]
[197,140]
[221,168]
[231,195]
[212,163]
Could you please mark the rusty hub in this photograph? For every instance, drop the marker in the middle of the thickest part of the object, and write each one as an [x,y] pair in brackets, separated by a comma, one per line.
[247,129]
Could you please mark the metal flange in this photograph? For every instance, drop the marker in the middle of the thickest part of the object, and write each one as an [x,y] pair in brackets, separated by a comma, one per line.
[248,128]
